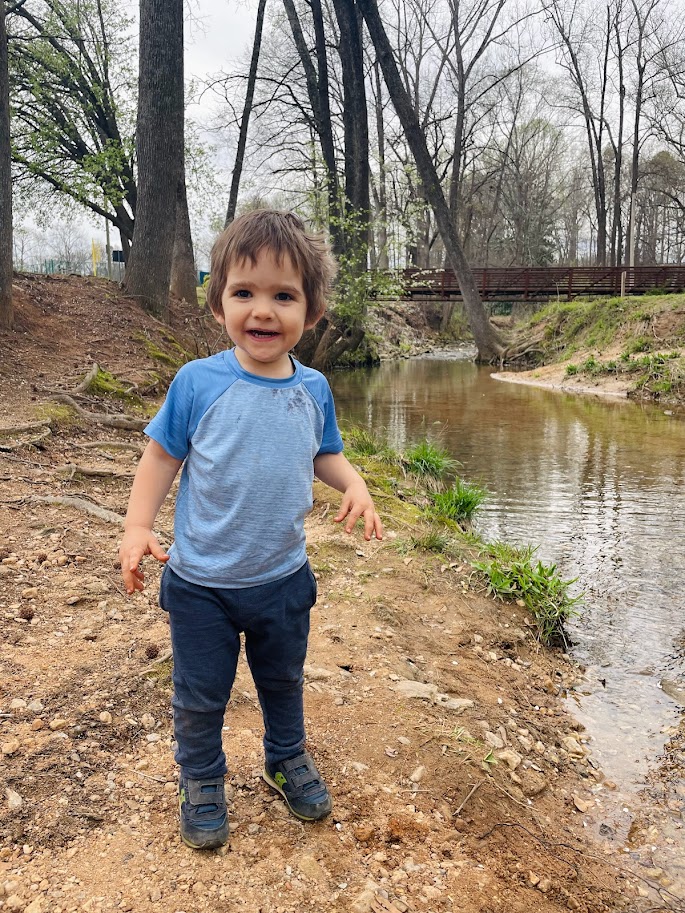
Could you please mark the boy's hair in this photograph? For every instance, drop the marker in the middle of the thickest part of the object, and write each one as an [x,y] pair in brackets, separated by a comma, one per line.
[283,234]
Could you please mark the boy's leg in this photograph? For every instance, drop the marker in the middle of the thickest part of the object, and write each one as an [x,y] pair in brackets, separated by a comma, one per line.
[206,645]
[276,623]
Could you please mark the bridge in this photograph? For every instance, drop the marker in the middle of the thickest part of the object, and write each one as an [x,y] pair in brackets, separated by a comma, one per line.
[543,283]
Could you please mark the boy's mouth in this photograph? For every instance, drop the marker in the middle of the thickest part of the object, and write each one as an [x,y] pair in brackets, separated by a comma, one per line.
[262,334]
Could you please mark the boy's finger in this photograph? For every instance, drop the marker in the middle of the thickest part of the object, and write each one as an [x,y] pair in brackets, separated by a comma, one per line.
[344,510]
[158,552]
[352,518]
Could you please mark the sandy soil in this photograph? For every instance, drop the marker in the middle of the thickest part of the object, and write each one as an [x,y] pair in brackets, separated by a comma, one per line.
[459,781]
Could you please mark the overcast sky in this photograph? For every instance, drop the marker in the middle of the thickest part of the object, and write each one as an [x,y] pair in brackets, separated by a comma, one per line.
[217,32]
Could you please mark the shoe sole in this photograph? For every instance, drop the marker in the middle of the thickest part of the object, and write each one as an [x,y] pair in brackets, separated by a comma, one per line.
[274,785]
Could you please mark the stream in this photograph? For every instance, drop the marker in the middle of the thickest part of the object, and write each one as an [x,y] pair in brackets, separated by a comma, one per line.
[599,486]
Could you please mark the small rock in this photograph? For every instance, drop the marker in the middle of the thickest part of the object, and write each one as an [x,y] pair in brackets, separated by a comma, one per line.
[36,906]
[155,895]
[316,674]
[35,707]
[14,902]
[544,884]
[358,766]
[362,903]
[493,740]
[458,704]
[29,593]
[418,774]
[37,724]
[10,747]
[510,757]
[403,740]
[364,832]
[17,704]
[408,688]
[583,805]
[532,783]
[14,800]
[147,721]
[573,746]
[105,717]
[533,879]
[58,723]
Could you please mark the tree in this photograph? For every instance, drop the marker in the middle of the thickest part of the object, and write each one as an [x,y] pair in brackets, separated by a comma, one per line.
[6,310]
[159,152]
[487,342]
[245,119]
[69,130]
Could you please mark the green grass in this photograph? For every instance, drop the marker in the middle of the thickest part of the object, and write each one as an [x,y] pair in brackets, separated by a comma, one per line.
[459,502]
[512,574]
[426,459]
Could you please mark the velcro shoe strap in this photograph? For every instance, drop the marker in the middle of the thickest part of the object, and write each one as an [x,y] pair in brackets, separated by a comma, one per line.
[297,781]
[215,796]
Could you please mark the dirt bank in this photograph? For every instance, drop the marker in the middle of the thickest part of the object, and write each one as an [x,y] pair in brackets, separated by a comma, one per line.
[615,347]
[459,781]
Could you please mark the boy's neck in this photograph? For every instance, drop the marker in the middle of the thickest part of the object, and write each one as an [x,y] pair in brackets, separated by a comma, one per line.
[280,369]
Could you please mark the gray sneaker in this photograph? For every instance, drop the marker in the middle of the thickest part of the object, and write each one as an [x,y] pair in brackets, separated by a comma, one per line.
[203,813]
[301,785]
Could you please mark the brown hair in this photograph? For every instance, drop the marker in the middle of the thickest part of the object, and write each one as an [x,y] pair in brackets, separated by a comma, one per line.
[283,234]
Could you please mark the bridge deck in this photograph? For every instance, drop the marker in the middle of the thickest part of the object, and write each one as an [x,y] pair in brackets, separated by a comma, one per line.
[542,283]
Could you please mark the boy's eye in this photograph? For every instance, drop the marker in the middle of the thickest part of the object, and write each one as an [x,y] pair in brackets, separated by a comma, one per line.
[283,296]
[242,293]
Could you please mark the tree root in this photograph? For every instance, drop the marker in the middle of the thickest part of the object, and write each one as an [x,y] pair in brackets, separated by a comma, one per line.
[125,422]
[85,384]
[43,427]
[71,470]
[80,504]
[109,445]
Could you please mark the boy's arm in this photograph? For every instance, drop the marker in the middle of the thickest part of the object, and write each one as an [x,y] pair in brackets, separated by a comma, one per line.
[156,471]
[335,470]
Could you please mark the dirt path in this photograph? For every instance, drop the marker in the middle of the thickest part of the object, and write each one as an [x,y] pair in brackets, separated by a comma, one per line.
[459,781]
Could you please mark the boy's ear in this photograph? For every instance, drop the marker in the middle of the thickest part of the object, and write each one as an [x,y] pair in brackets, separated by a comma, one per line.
[312,322]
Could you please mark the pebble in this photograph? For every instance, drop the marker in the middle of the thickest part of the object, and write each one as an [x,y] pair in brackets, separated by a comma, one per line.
[510,757]
[155,895]
[58,723]
[105,717]
[573,746]
[14,902]
[418,774]
[10,747]
[309,866]
[364,833]
[14,800]
[17,704]
[362,902]
[35,707]
[147,721]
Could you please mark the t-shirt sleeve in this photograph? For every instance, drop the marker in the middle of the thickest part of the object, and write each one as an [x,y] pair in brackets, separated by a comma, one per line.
[331,441]
[171,426]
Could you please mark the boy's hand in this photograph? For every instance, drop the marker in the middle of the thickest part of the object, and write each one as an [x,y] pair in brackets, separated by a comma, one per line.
[356,503]
[137,542]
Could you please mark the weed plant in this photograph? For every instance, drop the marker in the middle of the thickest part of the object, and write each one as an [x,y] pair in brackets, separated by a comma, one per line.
[459,502]
[427,459]
[512,574]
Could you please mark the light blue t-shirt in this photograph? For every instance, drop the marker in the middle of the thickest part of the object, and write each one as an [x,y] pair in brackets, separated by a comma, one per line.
[249,444]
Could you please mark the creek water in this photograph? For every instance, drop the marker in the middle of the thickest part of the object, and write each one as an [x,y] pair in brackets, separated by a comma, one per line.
[599,486]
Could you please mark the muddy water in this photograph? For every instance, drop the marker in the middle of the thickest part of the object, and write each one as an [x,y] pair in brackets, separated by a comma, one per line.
[599,486]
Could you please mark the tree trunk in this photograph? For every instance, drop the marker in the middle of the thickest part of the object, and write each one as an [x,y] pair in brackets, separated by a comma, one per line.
[356,129]
[318,92]
[487,342]
[183,276]
[382,209]
[159,148]
[245,120]
[6,311]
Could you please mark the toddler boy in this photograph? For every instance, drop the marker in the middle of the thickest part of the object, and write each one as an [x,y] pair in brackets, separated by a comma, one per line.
[250,426]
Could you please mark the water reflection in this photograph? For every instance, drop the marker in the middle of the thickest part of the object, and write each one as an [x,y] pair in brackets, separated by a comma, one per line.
[599,485]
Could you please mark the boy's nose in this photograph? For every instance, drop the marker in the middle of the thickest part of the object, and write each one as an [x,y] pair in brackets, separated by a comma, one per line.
[261,307]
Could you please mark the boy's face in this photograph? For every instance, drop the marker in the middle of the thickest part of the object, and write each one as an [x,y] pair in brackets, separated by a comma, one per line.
[264,312]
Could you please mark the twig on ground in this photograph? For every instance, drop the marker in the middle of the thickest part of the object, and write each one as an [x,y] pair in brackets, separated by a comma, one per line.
[473,789]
